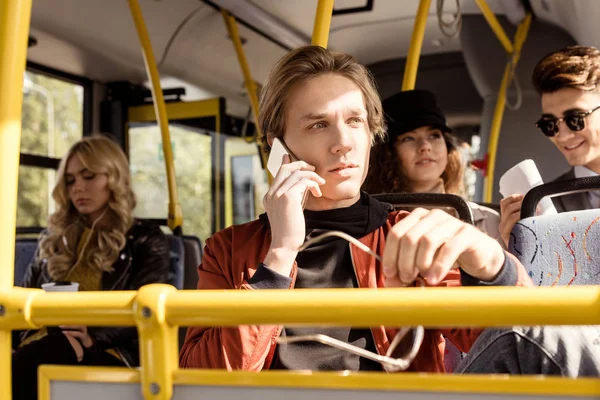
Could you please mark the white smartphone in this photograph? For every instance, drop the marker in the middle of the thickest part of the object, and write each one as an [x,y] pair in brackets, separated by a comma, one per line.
[278,150]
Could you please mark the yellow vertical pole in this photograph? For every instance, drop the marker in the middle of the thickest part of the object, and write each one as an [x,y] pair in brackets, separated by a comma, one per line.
[416,43]
[175,213]
[489,16]
[509,70]
[251,88]
[322,24]
[14,29]
[158,342]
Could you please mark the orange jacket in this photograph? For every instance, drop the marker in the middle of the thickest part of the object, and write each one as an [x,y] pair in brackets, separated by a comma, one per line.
[232,256]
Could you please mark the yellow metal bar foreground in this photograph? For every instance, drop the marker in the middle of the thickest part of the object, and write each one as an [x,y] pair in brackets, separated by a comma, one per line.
[320,36]
[159,350]
[495,25]
[416,43]
[14,28]
[509,70]
[251,88]
[175,218]
[405,382]
[432,307]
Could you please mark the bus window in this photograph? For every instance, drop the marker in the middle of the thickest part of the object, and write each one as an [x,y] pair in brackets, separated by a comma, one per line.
[192,157]
[52,121]
[245,182]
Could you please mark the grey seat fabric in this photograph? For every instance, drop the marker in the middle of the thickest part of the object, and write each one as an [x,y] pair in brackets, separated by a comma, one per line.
[177,261]
[561,249]
[24,254]
[448,202]
[193,258]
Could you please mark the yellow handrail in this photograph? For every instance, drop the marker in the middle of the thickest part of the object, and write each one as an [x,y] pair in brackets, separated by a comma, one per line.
[14,28]
[509,71]
[431,307]
[157,310]
[175,217]
[320,36]
[416,43]
[495,25]
[251,88]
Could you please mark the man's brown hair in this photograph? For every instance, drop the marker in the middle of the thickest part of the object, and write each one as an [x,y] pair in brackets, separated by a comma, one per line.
[303,64]
[575,67]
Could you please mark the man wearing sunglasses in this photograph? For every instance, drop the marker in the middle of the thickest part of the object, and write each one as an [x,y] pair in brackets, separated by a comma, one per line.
[326,109]
[569,84]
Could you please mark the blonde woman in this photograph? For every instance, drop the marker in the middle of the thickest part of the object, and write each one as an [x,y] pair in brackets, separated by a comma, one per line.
[94,240]
[421,155]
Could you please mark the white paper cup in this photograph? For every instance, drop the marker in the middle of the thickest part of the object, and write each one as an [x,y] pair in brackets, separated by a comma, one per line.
[520,179]
[54,287]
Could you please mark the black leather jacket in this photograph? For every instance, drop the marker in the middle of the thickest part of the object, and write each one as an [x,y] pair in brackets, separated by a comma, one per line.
[143,260]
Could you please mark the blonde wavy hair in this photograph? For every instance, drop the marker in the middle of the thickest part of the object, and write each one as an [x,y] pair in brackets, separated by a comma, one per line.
[58,247]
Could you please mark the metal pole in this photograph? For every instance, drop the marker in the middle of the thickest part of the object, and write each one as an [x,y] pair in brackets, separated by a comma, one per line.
[495,25]
[509,70]
[416,43]
[14,28]
[175,218]
[251,88]
[322,24]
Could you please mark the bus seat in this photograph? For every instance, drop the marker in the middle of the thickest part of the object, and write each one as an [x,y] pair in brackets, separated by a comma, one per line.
[559,249]
[449,202]
[177,260]
[193,258]
[25,249]
[454,205]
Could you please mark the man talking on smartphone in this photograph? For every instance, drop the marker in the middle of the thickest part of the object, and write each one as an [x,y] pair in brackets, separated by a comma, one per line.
[324,106]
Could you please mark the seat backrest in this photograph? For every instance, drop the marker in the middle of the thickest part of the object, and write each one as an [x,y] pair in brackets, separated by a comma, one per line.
[559,249]
[193,258]
[449,202]
[25,249]
[177,261]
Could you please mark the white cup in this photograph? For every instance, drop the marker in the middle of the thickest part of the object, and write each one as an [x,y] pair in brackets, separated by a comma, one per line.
[520,179]
[61,287]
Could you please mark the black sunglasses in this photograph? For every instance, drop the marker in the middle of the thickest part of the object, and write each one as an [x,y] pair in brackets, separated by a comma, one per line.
[575,122]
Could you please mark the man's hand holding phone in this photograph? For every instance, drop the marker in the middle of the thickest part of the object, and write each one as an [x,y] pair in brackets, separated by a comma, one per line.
[283,204]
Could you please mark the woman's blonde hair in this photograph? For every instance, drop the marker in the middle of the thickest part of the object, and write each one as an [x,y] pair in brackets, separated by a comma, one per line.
[386,174]
[58,247]
[303,64]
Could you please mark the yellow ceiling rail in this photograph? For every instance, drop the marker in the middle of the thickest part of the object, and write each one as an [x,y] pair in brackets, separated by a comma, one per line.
[416,43]
[251,88]
[495,25]
[509,72]
[175,217]
[320,36]
[14,29]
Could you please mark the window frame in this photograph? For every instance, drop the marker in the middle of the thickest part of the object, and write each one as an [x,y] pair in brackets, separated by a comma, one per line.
[45,162]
